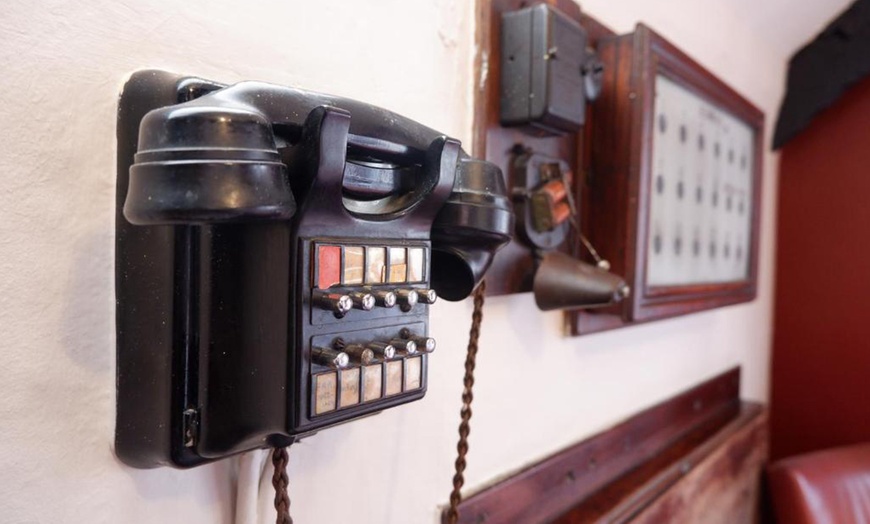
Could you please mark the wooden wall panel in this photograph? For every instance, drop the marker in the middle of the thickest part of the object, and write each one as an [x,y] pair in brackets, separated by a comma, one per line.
[706,476]
[723,489]
[821,351]
[618,474]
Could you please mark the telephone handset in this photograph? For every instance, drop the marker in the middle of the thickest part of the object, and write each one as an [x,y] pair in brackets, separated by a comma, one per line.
[277,256]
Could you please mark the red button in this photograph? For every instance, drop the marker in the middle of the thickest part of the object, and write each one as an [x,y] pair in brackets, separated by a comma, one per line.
[328,266]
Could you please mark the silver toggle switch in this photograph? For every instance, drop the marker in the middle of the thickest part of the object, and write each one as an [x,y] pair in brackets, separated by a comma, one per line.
[382,350]
[360,354]
[427,296]
[407,298]
[338,303]
[424,344]
[330,357]
[404,346]
[362,300]
[384,298]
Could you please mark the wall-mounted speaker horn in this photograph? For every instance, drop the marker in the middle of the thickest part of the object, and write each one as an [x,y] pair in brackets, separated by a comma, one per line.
[563,282]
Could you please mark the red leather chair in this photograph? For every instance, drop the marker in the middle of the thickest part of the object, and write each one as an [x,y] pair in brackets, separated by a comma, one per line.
[825,487]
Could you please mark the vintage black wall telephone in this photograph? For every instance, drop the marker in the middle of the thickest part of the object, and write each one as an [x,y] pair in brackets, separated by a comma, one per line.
[277,254]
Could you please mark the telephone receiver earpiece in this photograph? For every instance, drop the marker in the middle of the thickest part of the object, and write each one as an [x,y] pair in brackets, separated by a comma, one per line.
[207,164]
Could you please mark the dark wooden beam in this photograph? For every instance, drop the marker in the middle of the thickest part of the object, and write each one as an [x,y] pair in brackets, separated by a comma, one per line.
[648,442]
[705,476]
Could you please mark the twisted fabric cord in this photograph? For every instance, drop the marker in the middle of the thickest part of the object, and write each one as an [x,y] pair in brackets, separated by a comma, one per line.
[280,482]
[465,412]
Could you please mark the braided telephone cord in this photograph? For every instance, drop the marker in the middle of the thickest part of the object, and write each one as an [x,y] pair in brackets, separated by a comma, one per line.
[465,412]
[280,482]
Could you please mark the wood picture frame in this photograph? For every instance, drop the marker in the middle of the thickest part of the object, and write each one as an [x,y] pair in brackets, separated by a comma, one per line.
[617,190]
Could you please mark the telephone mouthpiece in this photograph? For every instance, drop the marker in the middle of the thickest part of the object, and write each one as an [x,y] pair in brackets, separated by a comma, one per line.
[475,222]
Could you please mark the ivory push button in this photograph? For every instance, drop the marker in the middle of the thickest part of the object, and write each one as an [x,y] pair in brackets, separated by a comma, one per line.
[372,382]
[413,373]
[349,387]
[330,357]
[415,264]
[325,389]
[398,265]
[362,300]
[376,264]
[353,266]
[407,299]
[394,377]
[338,303]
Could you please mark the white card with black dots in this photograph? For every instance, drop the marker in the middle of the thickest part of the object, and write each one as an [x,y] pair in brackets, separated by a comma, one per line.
[700,191]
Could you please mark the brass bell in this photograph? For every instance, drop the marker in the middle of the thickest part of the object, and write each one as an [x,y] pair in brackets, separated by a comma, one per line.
[563,282]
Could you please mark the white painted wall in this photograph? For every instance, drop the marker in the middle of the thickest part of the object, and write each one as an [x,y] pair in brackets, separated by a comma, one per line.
[63,64]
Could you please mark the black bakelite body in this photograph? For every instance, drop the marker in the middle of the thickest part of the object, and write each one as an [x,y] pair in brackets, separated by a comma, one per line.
[223,194]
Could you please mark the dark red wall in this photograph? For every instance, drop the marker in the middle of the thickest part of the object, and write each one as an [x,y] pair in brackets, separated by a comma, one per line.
[821,349]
